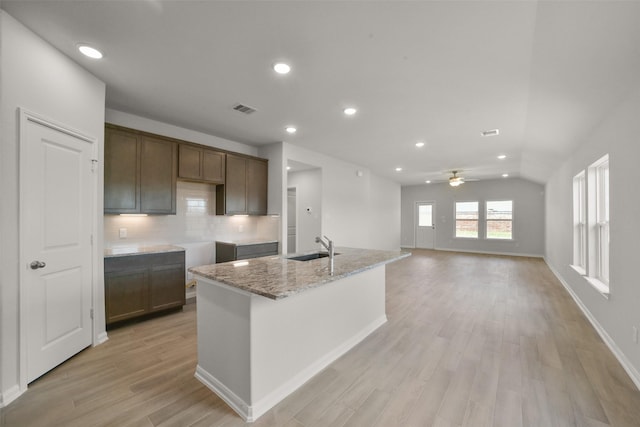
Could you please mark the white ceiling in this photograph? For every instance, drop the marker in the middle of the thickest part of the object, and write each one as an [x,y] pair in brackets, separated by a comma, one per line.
[544,73]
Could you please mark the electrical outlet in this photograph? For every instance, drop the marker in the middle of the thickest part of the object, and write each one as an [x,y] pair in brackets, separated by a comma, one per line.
[635,334]
[123,233]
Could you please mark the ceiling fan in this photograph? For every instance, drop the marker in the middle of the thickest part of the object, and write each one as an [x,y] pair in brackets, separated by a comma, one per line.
[455,180]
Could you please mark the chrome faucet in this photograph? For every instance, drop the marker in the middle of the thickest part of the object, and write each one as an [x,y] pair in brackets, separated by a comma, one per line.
[329,247]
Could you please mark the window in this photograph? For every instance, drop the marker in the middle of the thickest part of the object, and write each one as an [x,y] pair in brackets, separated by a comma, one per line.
[499,219]
[591,224]
[580,223]
[600,172]
[467,219]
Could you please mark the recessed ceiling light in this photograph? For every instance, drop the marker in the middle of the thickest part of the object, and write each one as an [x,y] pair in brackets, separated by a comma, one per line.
[398,169]
[350,111]
[89,51]
[419,144]
[502,156]
[291,129]
[288,168]
[282,68]
[428,181]
[505,175]
[492,132]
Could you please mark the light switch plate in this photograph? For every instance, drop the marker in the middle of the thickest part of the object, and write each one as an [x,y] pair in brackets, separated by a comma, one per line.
[123,233]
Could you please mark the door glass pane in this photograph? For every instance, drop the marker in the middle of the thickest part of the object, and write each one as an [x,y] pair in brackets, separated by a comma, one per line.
[425,216]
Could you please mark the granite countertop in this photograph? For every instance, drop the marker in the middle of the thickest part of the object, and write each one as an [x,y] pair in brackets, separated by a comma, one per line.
[141,250]
[278,277]
[247,242]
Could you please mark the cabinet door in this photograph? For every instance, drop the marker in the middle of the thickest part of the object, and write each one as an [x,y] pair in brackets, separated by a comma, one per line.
[158,176]
[166,286]
[189,162]
[236,185]
[125,294]
[213,169]
[257,187]
[256,250]
[121,178]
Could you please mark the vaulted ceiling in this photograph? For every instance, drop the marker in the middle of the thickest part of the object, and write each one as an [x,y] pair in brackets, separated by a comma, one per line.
[542,72]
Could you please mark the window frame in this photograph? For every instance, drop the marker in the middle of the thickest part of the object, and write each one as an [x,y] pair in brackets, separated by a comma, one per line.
[477,220]
[487,220]
[597,227]
[580,222]
[601,224]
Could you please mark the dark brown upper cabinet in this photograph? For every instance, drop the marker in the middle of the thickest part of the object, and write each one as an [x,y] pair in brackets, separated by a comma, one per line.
[121,172]
[245,188]
[201,164]
[140,173]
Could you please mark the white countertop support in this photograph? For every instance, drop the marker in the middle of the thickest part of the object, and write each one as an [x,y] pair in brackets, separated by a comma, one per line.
[254,351]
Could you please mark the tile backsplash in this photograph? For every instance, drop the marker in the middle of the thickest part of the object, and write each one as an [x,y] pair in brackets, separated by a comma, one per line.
[195,221]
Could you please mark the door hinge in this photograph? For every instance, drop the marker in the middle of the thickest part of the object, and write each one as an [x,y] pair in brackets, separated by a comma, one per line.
[91,313]
[94,163]
[91,239]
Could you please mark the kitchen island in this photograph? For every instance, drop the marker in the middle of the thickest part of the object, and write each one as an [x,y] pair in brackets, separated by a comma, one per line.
[267,325]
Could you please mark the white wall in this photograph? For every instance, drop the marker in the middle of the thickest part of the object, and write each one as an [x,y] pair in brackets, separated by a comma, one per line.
[617,135]
[357,211]
[528,213]
[308,185]
[37,77]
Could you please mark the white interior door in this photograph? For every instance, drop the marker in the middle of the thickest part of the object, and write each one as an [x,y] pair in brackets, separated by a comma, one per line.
[56,214]
[425,226]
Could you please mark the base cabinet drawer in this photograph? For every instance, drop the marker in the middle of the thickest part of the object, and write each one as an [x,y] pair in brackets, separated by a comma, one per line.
[231,252]
[137,285]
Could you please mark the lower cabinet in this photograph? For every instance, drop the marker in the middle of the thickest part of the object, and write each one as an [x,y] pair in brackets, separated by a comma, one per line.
[227,251]
[136,285]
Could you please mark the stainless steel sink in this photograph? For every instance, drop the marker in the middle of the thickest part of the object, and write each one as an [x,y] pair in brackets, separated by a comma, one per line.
[309,257]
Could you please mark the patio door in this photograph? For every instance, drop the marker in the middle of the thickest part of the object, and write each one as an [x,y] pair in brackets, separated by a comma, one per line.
[425,225]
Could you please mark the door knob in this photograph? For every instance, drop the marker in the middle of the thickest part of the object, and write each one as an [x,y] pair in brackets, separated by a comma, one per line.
[37,264]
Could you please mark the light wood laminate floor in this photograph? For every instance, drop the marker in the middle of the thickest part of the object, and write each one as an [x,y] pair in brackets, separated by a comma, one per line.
[472,340]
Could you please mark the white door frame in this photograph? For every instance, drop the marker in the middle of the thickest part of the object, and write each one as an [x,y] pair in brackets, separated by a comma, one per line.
[26,117]
[415,220]
[297,219]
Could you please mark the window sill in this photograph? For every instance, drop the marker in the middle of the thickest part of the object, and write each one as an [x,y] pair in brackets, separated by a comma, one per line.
[581,271]
[599,286]
[595,283]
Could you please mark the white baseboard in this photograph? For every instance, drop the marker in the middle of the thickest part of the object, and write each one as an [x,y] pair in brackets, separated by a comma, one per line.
[626,364]
[102,338]
[251,413]
[237,404]
[10,395]
[490,252]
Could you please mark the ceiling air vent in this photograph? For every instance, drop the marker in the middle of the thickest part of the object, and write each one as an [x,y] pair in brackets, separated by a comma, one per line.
[244,109]
[492,132]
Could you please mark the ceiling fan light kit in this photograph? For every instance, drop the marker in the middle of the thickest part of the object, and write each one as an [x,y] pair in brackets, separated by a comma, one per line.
[455,180]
